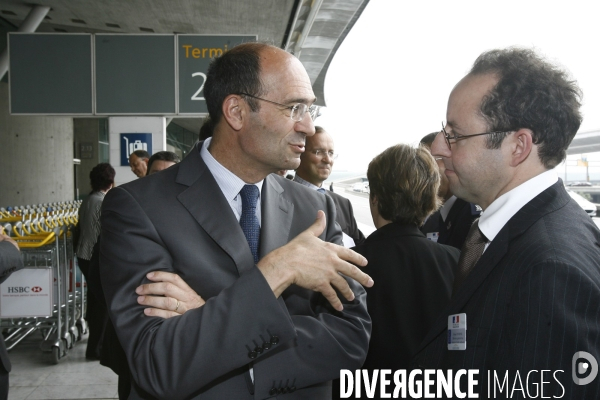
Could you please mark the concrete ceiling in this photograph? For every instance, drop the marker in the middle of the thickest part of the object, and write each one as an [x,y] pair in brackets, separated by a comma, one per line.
[585,142]
[311,29]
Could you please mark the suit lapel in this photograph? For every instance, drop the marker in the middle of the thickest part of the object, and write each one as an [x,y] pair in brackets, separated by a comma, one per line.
[549,200]
[277,213]
[205,202]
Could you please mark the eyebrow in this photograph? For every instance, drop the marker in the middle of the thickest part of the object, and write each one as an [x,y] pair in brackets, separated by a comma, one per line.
[301,100]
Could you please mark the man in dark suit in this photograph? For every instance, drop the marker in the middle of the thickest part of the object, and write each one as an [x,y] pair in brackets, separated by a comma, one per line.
[273,323]
[314,169]
[451,223]
[10,261]
[531,300]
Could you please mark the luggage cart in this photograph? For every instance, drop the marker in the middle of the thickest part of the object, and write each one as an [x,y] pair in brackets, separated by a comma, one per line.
[46,244]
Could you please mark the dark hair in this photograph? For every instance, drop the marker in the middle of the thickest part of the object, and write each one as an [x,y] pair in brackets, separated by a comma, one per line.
[142,154]
[102,176]
[163,156]
[405,182]
[236,71]
[531,93]
[319,129]
[206,130]
[428,139]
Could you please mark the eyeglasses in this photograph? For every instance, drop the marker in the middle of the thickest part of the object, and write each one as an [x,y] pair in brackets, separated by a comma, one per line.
[453,139]
[298,110]
[322,153]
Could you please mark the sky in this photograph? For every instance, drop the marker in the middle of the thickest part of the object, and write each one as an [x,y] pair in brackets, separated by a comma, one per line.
[390,79]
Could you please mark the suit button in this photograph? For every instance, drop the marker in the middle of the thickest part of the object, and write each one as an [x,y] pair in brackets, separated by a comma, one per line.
[274,340]
[292,389]
[266,346]
[258,349]
[252,355]
[273,391]
[281,390]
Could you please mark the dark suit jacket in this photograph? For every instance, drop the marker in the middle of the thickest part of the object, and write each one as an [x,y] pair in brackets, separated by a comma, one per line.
[532,301]
[454,230]
[413,278]
[178,220]
[10,261]
[345,217]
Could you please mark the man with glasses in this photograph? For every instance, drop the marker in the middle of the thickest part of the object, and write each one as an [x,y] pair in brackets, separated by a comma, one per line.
[315,167]
[451,223]
[269,321]
[527,288]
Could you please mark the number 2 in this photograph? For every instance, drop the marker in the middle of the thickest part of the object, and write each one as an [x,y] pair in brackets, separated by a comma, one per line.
[195,96]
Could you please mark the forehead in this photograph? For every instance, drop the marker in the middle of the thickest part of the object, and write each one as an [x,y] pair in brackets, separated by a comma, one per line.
[284,76]
[465,99]
[320,141]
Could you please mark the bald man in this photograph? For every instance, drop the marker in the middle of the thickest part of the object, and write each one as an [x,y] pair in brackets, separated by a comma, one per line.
[315,167]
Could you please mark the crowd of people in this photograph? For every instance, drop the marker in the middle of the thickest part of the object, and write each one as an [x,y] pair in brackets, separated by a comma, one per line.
[222,279]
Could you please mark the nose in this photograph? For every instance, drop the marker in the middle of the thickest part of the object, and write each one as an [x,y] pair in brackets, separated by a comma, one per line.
[439,147]
[306,125]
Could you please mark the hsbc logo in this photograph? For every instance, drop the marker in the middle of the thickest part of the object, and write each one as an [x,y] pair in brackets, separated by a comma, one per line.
[36,289]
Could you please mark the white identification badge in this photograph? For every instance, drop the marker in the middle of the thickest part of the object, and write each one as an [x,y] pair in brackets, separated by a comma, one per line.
[457,332]
[433,236]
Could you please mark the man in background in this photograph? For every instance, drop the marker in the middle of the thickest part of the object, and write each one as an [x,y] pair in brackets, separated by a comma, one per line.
[451,223]
[315,167]
[138,161]
[162,160]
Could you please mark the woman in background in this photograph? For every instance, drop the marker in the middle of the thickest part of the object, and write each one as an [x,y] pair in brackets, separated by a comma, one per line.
[413,275]
[102,179]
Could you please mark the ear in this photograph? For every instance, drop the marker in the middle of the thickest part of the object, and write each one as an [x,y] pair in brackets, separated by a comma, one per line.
[234,111]
[521,146]
[373,200]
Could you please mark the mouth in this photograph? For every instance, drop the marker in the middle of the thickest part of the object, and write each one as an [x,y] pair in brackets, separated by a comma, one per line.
[297,147]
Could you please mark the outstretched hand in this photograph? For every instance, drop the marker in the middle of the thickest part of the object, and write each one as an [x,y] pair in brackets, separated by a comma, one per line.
[311,263]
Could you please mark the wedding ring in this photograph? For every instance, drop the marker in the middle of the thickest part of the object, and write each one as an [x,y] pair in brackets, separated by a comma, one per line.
[177,306]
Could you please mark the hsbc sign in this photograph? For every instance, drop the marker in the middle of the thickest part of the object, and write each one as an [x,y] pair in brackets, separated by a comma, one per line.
[27,293]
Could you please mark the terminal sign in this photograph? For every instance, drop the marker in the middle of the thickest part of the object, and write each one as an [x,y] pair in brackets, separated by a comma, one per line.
[195,53]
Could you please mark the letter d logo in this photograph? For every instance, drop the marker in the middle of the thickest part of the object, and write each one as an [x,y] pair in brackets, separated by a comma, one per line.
[582,367]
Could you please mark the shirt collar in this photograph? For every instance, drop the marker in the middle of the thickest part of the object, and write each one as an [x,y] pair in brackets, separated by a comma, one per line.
[502,209]
[445,208]
[305,183]
[229,183]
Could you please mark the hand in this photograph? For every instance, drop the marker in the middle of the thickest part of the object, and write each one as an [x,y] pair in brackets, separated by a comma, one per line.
[311,263]
[4,238]
[168,297]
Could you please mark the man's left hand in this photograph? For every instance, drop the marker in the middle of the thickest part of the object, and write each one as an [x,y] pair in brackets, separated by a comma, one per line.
[169,296]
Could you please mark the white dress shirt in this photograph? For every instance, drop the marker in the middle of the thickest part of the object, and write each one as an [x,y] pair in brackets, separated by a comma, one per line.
[502,209]
[229,183]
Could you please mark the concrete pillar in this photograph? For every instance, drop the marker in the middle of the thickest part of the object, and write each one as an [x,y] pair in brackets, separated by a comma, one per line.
[36,157]
[116,125]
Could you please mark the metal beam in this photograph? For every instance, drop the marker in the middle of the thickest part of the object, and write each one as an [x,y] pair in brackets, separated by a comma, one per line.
[30,24]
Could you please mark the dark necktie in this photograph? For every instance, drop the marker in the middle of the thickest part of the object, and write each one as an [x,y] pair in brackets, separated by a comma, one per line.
[248,220]
[469,255]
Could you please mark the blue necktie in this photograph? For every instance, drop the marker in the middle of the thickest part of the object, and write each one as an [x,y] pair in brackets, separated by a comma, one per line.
[248,220]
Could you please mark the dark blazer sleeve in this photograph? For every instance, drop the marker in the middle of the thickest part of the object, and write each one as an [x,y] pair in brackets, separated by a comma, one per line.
[206,348]
[10,260]
[345,218]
